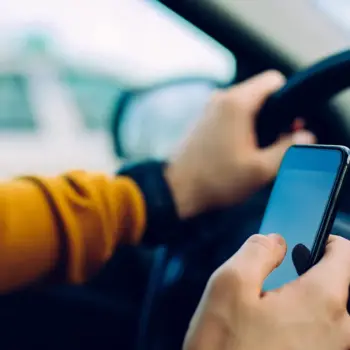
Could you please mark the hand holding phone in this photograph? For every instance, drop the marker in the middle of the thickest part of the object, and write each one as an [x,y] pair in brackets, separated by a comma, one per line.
[303,205]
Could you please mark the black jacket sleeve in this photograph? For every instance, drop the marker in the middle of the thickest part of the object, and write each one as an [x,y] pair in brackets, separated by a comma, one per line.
[162,219]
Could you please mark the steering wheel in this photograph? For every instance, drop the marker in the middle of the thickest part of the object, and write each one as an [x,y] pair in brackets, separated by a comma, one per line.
[301,94]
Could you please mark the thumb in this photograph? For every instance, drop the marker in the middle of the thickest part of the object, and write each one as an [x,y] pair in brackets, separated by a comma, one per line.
[272,155]
[256,259]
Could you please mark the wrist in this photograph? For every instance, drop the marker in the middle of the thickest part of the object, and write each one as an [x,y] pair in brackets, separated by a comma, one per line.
[185,188]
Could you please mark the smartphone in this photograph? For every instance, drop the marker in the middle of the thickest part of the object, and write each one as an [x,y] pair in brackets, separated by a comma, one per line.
[303,204]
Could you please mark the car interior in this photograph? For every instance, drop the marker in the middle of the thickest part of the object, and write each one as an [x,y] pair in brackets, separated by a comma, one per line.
[300,34]
[256,35]
[291,37]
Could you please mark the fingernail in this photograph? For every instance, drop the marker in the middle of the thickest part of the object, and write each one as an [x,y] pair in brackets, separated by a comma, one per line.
[303,137]
[277,238]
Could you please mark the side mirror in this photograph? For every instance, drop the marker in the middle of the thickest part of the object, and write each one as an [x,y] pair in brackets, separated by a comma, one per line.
[151,122]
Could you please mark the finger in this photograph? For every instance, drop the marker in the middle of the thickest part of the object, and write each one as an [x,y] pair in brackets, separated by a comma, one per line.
[256,259]
[301,258]
[333,270]
[271,156]
[256,90]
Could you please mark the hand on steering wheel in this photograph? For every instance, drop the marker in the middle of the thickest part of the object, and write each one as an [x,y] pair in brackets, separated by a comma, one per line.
[221,162]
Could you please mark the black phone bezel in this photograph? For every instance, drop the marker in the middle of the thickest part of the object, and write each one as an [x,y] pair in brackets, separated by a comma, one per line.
[329,214]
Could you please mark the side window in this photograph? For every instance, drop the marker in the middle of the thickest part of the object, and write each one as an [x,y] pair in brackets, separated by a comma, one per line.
[95,97]
[15,108]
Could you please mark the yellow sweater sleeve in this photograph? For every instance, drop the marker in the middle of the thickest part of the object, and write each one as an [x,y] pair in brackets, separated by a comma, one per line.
[70,224]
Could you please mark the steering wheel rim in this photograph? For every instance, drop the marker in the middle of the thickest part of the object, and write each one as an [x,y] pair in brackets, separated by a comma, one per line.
[306,89]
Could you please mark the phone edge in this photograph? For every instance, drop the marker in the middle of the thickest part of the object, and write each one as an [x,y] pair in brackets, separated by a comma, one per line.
[329,215]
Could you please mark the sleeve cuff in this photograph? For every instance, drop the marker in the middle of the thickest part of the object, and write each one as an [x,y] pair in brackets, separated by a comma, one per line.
[162,218]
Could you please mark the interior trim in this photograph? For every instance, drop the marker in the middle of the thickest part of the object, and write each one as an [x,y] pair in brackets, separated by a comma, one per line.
[297,29]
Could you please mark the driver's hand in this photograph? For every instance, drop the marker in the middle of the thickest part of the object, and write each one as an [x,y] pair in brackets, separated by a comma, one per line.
[221,162]
[308,313]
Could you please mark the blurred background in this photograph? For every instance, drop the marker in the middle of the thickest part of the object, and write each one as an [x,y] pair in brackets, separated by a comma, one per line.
[64,66]
[88,84]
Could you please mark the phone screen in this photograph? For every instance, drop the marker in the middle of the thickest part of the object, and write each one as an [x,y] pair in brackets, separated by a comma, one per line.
[298,203]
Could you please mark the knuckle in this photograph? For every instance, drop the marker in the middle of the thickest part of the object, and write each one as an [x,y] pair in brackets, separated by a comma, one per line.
[261,241]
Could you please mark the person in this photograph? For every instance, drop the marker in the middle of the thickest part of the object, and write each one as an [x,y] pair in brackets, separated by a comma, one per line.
[65,228]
